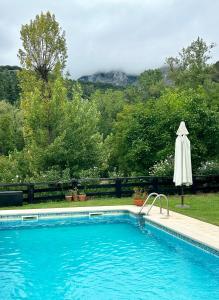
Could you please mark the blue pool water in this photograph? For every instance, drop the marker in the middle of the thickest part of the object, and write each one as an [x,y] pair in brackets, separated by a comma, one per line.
[109,258]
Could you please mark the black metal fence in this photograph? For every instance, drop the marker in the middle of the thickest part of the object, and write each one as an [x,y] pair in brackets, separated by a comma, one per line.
[114,187]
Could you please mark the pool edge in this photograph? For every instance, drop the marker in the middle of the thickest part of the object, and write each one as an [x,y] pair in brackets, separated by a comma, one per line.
[122,208]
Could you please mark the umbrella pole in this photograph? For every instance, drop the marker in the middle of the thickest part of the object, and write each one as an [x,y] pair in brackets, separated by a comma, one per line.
[182,196]
[182,205]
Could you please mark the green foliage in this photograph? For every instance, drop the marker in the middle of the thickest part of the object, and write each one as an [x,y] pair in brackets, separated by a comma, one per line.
[151,83]
[132,94]
[42,107]
[59,133]
[64,129]
[18,166]
[215,72]
[109,104]
[83,143]
[89,88]
[9,89]
[163,168]
[9,169]
[209,168]
[191,67]
[9,68]
[43,111]
[145,133]
[51,175]
[44,45]
[90,173]
[115,173]
[11,136]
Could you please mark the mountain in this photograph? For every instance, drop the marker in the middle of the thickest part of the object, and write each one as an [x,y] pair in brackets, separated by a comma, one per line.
[116,78]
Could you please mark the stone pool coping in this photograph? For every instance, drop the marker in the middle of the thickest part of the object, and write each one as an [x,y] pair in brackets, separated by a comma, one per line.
[199,231]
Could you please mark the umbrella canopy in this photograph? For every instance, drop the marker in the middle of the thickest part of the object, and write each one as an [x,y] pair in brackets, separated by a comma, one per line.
[182,163]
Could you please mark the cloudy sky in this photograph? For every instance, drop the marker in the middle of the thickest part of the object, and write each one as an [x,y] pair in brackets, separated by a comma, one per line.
[104,35]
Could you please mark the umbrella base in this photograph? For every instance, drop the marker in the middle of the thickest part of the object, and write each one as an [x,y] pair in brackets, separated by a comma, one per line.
[182,206]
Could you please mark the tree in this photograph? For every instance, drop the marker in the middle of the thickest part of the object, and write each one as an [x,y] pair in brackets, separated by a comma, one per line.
[9,89]
[11,136]
[109,104]
[191,67]
[145,132]
[8,169]
[43,117]
[60,133]
[215,72]
[151,83]
[44,45]
[82,141]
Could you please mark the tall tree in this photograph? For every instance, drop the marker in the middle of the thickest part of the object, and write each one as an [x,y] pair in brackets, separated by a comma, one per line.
[44,45]
[59,133]
[191,68]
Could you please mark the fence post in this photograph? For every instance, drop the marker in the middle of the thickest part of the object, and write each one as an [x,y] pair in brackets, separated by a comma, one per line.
[155,185]
[194,187]
[118,187]
[30,193]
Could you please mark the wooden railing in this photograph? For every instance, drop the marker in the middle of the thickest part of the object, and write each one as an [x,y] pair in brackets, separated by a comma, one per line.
[114,187]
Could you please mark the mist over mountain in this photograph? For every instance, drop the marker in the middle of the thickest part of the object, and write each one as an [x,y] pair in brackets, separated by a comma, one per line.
[10,91]
[116,78]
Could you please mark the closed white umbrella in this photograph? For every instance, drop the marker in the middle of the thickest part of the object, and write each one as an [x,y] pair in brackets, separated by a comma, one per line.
[182,162]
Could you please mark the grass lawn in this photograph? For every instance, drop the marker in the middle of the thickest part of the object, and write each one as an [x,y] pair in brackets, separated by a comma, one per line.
[204,207]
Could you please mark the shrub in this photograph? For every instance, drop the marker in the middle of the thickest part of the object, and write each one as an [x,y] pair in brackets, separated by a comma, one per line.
[163,168]
[209,168]
[9,170]
[115,173]
[90,173]
[53,174]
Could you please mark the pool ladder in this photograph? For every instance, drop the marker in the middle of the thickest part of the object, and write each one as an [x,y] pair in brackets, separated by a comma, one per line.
[157,197]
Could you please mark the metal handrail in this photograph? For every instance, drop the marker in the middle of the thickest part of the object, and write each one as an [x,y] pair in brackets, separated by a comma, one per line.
[167,200]
[148,197]
[159,197]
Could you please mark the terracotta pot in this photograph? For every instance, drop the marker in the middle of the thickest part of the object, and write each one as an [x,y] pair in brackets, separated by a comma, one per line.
[139,201]
[68,198]
[75,197]
[82,197]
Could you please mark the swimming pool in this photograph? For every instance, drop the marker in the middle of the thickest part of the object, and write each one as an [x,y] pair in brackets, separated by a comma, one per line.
[109,256]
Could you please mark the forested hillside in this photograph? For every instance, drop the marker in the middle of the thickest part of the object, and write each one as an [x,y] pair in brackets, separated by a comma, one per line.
[55,128]
[9,88]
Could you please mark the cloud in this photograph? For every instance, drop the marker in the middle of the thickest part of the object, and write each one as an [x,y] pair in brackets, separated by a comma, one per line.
[129,35]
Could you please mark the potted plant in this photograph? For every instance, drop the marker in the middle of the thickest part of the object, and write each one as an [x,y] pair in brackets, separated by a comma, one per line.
[75,194]
[139,196]
[82,196]
[68,196]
